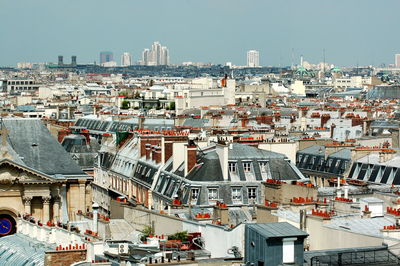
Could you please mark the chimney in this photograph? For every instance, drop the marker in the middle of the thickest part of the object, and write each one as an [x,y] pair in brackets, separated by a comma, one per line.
[153,152]
[332,129]
[157,154]
[148,151]
[190,156]
[95,208]
[346,191]
[141,122]
[222,151]
[385,156]
[221,214]
[62,133]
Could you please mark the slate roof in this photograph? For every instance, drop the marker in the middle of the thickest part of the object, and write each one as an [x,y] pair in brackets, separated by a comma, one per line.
[209,168]
[241,151]
[277,230]
[362,226]
[32,141]
[343,154]
[96,124]
[195,123]
[315,150]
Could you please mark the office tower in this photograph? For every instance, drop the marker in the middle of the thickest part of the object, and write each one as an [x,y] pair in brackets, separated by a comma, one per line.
[253,58]
[164,56]
[73,60]
[126,59]
[105,57]
[156,48]
[60,60]
[145,57]
[397,60]
[156,56]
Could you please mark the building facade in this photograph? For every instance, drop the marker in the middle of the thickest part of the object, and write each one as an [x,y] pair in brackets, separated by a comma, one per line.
[253,58]
[126,59]
[106,57]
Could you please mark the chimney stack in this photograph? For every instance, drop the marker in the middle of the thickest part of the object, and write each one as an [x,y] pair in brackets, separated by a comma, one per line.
[148,151]
[157,154]
[95,208]
[222,151]
[190,156]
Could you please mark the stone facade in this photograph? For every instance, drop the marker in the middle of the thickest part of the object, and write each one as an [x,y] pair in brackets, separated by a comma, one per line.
[26,191]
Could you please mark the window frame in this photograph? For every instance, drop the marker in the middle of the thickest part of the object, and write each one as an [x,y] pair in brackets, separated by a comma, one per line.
[208,193]
[245,168]
[249,195]
[238,196]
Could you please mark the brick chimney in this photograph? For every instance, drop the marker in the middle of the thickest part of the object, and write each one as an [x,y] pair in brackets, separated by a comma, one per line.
[62,133]
[148,151]
[190,156]
[333,126]
[220,214]
[156,154]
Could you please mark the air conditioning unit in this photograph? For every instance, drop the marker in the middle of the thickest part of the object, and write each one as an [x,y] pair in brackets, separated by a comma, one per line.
[123,248]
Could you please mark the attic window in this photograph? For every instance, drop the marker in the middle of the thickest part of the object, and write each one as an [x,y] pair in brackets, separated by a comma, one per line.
[247,167]
[232,167]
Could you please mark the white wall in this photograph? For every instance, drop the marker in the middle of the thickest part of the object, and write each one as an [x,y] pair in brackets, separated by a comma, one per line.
[287,148]
[218,240]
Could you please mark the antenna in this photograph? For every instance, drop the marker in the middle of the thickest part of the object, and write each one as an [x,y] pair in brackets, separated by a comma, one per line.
[323,51]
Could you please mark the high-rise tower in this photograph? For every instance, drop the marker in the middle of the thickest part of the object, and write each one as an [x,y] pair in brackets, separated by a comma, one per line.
[253,58]
[106,56]
[126,59]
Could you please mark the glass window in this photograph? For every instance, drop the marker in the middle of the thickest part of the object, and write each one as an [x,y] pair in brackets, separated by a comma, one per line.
[263,166]
[237,194]
[195,193]
[232,167]
[252,193]
[247,167]
[212,194]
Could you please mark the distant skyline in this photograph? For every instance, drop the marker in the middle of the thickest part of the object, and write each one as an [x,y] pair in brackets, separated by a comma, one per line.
[356,32]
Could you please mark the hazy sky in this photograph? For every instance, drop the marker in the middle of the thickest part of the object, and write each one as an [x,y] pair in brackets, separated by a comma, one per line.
[351,31]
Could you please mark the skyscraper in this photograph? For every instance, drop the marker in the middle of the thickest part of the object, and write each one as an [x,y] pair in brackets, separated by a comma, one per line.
[164,56]
[126,59]
[158,55]
[106,57]
[397,60]
[145,56]
[60,60]
[253,58]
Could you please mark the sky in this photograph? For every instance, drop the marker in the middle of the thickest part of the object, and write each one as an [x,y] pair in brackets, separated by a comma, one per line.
[352,32]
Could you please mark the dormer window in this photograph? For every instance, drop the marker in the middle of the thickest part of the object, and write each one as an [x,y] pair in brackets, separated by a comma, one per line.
[252,193]
[247,167]
[263,166]
[212,194]
[299,158]
[195,194]
[236,194]
[232,167]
